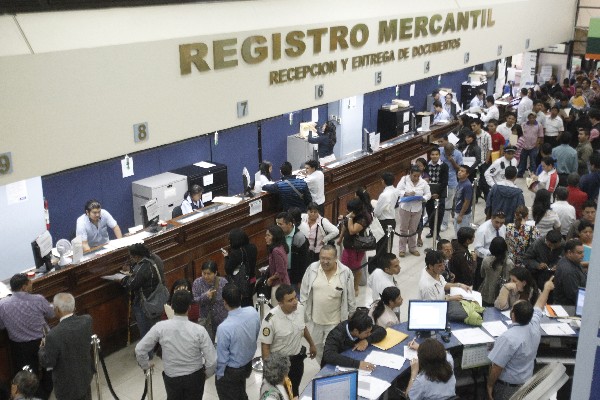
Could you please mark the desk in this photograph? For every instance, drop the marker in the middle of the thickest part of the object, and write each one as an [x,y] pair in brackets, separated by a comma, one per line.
[184,247]
[389,374]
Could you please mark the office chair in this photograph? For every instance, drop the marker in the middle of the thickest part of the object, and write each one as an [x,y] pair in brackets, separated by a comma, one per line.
[176,212]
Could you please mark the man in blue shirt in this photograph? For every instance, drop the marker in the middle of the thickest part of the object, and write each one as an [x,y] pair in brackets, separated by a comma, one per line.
[566,157]
[453,158]
[293,192]
[513,355]
[464,196]
[92,227]
[590,183]
[236,345]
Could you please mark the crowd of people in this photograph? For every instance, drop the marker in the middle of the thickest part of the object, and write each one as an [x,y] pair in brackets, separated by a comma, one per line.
[531,249]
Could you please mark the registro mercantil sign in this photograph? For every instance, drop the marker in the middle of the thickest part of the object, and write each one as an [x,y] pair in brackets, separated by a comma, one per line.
[204,57]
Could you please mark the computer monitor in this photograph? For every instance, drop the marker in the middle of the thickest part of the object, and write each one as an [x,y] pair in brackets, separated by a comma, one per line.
[42,251]
[150,213]
[580,301]
[427,315]
[342,386]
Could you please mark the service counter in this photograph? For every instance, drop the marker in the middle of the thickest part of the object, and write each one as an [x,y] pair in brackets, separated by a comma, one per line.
[185,246]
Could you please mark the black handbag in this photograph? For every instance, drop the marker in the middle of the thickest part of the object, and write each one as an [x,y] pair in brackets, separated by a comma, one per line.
[241,279]
[262,287]
[154,305]
[363,242]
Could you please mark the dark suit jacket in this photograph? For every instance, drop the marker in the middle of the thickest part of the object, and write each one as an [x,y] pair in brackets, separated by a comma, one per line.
[68,353]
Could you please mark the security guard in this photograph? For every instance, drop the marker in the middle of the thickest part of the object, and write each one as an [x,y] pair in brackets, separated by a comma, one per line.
[495,173]
[282,331]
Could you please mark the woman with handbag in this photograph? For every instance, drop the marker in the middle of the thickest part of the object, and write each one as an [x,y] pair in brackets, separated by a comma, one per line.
[495,271]
[144,274]
[242,252]
[278,258]
[208,292]
[353,234]
[318,231]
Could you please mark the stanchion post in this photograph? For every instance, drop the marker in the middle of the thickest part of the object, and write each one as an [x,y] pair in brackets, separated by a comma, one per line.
[435,223]
[148,373]
[474,202]
[390,238]
[96,347]
[257,364]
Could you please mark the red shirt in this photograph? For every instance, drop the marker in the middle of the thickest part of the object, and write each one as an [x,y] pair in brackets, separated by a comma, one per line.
[576,198]
[498,141]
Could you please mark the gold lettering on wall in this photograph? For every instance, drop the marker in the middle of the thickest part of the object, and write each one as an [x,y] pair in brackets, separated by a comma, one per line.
[254,49]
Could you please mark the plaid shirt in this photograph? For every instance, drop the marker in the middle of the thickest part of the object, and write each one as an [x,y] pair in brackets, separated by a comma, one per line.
[24,316]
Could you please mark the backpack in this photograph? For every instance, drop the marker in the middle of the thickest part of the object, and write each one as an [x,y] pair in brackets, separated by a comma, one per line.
[240,277]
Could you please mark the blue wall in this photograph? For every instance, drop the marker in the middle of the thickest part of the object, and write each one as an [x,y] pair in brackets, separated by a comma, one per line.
[237,147]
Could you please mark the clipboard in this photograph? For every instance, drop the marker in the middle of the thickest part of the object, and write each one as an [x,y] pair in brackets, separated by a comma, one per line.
[392,338]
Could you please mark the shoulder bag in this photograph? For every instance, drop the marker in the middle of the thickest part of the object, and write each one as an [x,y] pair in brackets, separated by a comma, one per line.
[153,306]
[207,321]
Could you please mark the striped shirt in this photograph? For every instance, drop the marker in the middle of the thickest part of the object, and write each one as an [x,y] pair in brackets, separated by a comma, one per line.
[289,198]
[24,316]
[484,141]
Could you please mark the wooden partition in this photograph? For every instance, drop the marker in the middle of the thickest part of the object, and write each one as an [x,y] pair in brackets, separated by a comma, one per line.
[184,247]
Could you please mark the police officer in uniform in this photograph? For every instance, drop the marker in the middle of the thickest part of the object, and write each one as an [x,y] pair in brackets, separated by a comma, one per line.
[495,173]
[282,331]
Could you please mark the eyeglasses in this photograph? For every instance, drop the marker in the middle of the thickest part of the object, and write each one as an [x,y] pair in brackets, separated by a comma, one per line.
[499,214]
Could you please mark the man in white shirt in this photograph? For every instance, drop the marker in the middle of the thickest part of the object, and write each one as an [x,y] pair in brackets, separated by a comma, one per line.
[316,183]
[484,235]
[412,192]
[189,356]
[495,172]
[384,275]
[506,128]
[477,101]
[327,293]
[538,108]
[432,285]
[565,211]
[553,126]
[385,208]
[492,111]
[440,113]
[525,106]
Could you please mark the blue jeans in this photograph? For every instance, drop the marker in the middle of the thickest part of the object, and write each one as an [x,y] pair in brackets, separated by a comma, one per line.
[466,222]
[531,154]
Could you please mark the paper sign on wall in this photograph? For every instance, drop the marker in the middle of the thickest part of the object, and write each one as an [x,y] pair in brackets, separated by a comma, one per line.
[412,90]
[206,197]
[255,207]
[314,115]
[16,192]
[127,166]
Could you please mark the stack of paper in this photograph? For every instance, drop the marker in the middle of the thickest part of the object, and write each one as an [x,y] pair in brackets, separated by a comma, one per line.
[127,241]
[559,311]
[371,388]
[472,336]
[560,329]
[495,328]
[386,359]
[472,295]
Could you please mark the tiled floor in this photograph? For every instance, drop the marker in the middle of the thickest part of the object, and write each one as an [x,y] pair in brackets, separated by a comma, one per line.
[128,379]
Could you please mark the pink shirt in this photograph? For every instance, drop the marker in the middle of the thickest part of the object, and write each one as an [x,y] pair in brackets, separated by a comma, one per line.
[278,263]
[531,133]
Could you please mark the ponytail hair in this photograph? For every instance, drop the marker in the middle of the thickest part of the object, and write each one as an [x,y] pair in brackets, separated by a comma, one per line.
[389,294]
